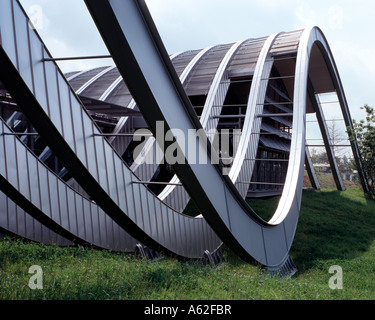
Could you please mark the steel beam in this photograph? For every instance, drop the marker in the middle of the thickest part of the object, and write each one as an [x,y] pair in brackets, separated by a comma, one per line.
[209,116]
[55,111]
[249,141]
[131,37]
[325,135]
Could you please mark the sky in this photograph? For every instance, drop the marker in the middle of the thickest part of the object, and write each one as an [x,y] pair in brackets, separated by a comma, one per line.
[68,30]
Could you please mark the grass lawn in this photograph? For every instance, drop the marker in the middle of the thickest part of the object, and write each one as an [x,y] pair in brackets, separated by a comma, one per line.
[335,228]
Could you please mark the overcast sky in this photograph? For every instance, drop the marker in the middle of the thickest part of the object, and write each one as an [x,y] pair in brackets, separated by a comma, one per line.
[68,30]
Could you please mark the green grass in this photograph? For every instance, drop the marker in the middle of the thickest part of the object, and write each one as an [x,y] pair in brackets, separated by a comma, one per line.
[335,228]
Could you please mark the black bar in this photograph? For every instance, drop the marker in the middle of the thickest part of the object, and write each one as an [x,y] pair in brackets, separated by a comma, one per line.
[78,58]
[157,183]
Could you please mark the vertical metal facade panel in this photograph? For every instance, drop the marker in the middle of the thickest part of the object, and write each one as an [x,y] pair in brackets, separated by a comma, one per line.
[73,218]
[52,95]
[11,162]
[4,215]
[44,190]
[45,203]
[67,126]
[80,217]
[37,52]
[8,37]
[35,231]
[55,210]
[21,28]
[63,207]
[35,194]
[79,134]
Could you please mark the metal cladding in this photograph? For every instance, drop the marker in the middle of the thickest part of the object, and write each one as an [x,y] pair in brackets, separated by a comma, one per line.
[69,172]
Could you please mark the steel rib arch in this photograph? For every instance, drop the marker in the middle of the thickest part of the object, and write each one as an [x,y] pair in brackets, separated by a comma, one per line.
[76,141]
[122,121]
[211,109]
[208,114]
[332,68]
[249,139]
[267,255]
[244,161]
[150,144]
[120,144]
[240,228]
[93,79]
[326,139]
[240,221]
[293,183]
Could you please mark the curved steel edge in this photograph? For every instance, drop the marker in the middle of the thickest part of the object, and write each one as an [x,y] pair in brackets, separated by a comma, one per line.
[24,97]
[246,234]
[291,197]
[89,165]
[269,243]
[150,144]
[248,145]
[123,120]
[240,228]
[209,111]
[331,64]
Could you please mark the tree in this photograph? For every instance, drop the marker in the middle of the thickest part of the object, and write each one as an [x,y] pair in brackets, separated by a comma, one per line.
[364,131]
[337,138]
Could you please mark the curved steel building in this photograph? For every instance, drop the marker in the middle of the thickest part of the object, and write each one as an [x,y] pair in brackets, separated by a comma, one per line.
[73,165]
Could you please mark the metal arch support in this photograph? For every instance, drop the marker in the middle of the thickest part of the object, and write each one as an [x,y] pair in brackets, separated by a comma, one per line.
[331,65]
[312,36]
[77,74]
[288,209]
[151,148]
[248,144]
[129,33]
[110,89]
[42,92]
[150,143]
[209,112]
[121,123]
[93,79]
[325,135]
[83,87]
[116,82]
[240,227]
